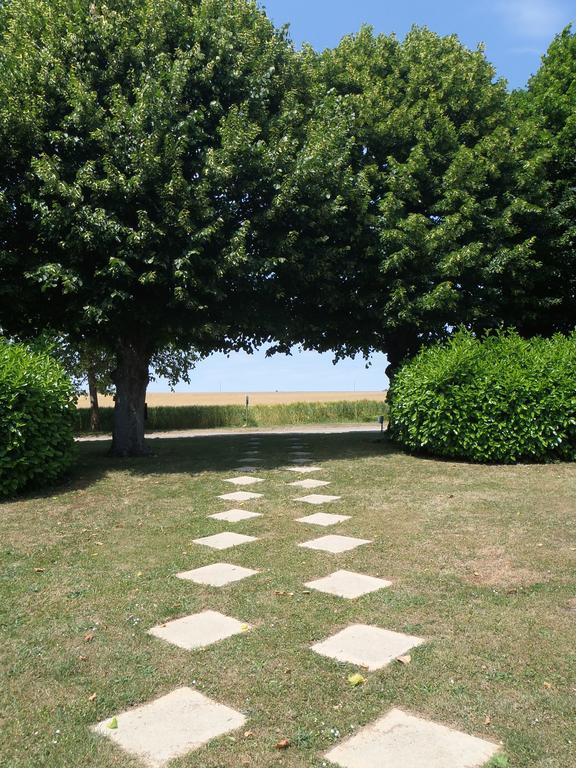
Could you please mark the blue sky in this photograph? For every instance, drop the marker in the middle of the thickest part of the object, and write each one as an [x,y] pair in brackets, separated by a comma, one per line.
[516,33]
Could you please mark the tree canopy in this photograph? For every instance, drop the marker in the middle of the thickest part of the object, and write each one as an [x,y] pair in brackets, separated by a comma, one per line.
[443,237]
[150,151]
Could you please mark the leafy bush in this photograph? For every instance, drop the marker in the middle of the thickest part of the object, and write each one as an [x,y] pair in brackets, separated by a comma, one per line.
[213,416]
[36,419]
[499,399]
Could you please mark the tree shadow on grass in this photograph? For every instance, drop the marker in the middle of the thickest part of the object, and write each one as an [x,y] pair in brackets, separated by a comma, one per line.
[215,453]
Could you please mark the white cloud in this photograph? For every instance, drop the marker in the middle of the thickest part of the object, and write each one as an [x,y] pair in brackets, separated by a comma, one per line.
[534,18]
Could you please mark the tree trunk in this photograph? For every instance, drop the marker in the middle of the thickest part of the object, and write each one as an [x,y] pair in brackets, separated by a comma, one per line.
[130,379]
[93,394]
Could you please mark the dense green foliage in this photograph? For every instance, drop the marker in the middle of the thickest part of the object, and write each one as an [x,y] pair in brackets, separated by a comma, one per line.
[158,160]
[36,419]
[443,238]
[500,399]
[208,416]
[546,116]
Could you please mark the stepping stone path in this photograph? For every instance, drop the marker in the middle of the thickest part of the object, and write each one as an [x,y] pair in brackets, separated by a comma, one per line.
[310,483]
[244,480]
[171,726]
[366,646]
[400,739]
[304,470]
[225,540]
[185,720]
[217,574]
[241,496]
[199,630]
[348,584]
[321,518]
[235,515]
[318,498]
[334,544]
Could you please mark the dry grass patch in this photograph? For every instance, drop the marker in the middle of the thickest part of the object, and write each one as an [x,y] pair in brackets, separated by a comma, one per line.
[87,569]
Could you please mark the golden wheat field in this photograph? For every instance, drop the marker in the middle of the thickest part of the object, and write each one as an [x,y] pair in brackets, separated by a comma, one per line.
[239,398]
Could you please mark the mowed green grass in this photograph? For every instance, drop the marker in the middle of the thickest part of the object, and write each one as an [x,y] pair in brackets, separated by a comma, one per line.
[483,561]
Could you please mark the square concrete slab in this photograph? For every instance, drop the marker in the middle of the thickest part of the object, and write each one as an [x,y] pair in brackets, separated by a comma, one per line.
[235,515]
[198,630]
[251,460]
[171,726]
[324,519]
[334,544]
[301,454]
[304,470]
[240,496]
[301,461]
[247,468]
[217,574]
[366,646]
[251,453]
[224,540]
[310,483]
[244,480]
[318,498]
[348,584]
[400,739]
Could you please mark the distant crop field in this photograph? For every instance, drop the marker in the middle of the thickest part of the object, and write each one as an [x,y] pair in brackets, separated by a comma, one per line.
[175,399]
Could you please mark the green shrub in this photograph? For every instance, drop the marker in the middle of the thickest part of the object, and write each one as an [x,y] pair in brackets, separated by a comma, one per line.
[217,416]
[36,419]
[499,399]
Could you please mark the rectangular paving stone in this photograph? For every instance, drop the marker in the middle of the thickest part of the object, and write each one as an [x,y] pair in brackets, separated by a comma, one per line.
[217,574]
[310,483]
[241,496]
[318,498]
[225,540]
[247,468]
[400,739]
[244,480]
[366,646]
[198,630]
[300,461]
[235,515]
[348,584]
[171,726]
[334,543]
[301,454]
[324,519]
[251,460]
[304,470]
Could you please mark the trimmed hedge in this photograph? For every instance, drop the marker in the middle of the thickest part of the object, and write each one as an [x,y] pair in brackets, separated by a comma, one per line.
[36,419]
[499,399]
[162,418]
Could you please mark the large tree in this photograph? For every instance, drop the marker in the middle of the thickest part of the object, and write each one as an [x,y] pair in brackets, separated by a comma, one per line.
[546,115]
[442,239]
[151,150]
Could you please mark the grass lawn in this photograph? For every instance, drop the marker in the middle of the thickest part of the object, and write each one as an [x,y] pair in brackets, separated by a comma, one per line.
[483,561]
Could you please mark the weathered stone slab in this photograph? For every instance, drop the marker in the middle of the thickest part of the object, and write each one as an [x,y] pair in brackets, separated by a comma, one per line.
[170,727]
[366,646]
[198,630]
[404,741]
[235,515]
[244,480]
[348,584]
[225,540]
[318,498]
[217,574]
[240,496]
[334,544]
[324,519]
[310,483]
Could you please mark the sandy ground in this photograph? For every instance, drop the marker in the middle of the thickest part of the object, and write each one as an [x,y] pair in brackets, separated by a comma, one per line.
[239,398]
[301,429]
